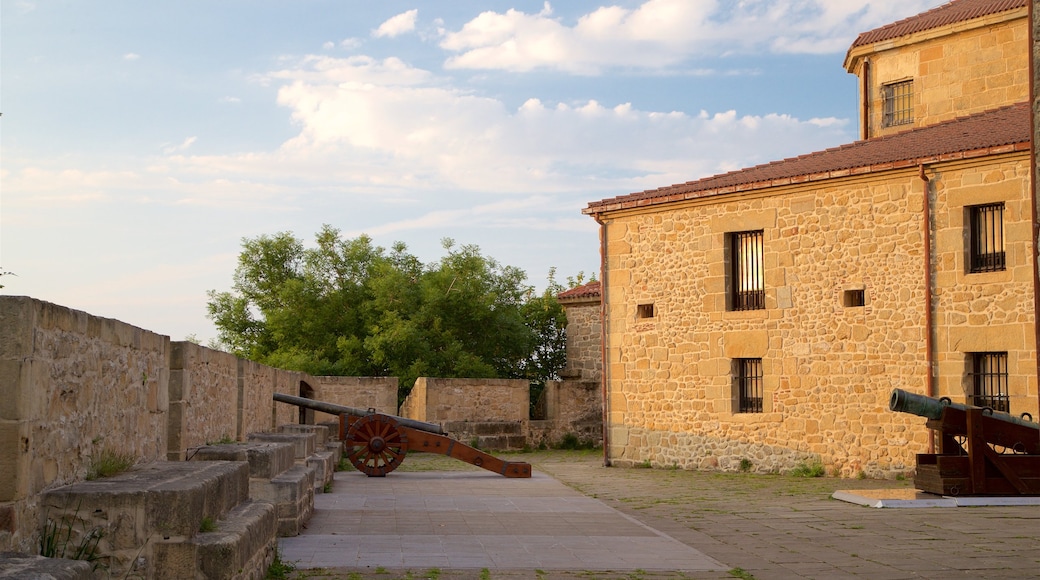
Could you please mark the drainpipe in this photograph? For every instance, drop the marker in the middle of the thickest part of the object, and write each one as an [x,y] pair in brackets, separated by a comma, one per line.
[864,130]
[1032,189]
[604,372]
[929,382]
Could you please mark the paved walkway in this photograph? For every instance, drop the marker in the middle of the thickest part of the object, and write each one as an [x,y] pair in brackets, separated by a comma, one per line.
[587,521]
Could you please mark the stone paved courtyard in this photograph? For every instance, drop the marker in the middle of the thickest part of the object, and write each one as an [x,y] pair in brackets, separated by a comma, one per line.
[755,526]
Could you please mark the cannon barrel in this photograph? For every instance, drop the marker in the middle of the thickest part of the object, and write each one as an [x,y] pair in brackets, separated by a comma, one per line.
[932,408]
[334,409]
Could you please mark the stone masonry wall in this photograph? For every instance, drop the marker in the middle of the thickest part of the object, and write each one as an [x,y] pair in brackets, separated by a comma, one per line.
[255,389]
[443,400]
[572,407]
[828,368]
[584,341]
[203,398]
[956,75]
[71,386]
[379,393]
[991,311]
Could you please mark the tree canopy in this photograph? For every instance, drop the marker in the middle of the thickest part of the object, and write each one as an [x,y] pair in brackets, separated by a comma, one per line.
[348,307]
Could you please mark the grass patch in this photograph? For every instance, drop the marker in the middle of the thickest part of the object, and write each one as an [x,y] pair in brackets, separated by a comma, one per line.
[56,541]
[741,573]
[485,574]
[644,465]
[208,525]
[814,469]
[746,465]
[327,488]
[109,463]
[279,569]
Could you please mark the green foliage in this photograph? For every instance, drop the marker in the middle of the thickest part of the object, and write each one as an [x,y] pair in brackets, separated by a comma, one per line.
[741,573]
[348,307]
[109,463]
[5,273]
[208,525]
[56,541]
[279,570]
[745,465]
[814,469]
[572,442]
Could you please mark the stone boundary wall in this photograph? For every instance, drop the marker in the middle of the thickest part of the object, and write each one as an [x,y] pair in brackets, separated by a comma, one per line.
[584,340]
[71,386]
[444,400]
[379,393]
[571,407]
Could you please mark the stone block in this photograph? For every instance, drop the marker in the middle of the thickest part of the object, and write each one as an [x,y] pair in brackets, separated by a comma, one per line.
[243,546]
[291,493]
[324,469]
[303,443]
[14,565]
[321,432]
[266,460]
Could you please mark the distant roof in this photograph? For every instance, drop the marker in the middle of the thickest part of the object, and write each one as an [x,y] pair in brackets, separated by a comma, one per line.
[590,290]
[950,13]
[1001,130]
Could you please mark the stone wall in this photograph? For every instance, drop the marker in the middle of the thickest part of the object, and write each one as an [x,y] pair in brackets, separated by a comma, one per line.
[954,75]
[71,386]
[828,367]
[444,400]
[203,398]
[572,407]
[379,393]
[584,340]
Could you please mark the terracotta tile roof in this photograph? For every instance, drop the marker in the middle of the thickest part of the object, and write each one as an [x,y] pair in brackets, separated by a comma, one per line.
[590,290]
[950,13]
[992,132]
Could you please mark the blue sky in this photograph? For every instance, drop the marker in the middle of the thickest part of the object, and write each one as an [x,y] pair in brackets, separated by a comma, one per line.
[140,142]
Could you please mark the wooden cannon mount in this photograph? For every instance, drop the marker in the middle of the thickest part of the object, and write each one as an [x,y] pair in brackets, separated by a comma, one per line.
[376,444]
[980,452]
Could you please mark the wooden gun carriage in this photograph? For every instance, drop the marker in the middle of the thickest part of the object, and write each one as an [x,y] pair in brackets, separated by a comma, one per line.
[980,452]
[376,443]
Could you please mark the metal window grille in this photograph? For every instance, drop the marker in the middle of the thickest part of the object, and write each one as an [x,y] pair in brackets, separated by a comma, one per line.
[748,282]
[749,385]
[898,103]
[989,379]
[987,237]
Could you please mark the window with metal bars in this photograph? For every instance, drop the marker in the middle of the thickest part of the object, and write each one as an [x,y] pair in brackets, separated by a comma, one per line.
[989,380]
[747,377]
[897,103]
[747,281]
[986,237]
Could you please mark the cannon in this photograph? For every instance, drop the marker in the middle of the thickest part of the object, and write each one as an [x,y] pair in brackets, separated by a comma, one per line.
[376,443]
[980,452]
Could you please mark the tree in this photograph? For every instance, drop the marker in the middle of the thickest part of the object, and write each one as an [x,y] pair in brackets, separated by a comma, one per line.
[347,307]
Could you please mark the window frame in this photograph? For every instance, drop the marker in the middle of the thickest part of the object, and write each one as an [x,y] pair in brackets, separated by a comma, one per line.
[988,380]
[986,249]
[748,386]
[747,284]
[897,104]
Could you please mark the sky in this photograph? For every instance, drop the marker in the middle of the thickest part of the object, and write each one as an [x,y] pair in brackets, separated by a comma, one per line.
[141,142]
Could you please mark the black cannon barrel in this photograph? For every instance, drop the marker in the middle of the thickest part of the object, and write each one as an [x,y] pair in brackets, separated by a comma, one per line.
[334,409]
[932,408]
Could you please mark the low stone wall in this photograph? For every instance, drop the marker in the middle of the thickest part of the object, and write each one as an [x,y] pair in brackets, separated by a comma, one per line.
[379,393]
[443,400]
[572,408]
[71,386]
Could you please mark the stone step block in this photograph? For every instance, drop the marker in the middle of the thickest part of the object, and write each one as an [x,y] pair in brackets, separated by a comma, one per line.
[291,493]
[333,427]
[15,565]
[324,469]
[501,442]
[336,448]
[265,460]
[461,429]
[320,431]
[304,444]
[149,506]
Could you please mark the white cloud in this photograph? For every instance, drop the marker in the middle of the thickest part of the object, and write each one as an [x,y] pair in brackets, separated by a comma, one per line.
[328,45]
[230,100]
[131,56]
[184,145]
[398,25]
[661,34]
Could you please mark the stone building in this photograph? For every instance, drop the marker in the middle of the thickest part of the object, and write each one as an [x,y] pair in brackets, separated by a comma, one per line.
[765,315]
[584,332]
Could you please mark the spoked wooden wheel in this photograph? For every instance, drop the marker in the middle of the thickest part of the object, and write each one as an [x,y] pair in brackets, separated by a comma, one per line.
[375,445]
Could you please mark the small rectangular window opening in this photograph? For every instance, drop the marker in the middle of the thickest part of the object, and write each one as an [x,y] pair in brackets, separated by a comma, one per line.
[854,298]
[748,379]
[645,311]
[897,103]
[986,237]
[989,380]
[747,280]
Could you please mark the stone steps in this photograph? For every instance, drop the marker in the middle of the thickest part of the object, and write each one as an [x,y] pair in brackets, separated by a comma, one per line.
[151,517]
